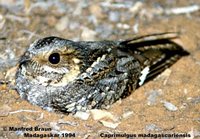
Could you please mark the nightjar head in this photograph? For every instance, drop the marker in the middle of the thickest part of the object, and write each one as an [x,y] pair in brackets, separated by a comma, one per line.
[50,61]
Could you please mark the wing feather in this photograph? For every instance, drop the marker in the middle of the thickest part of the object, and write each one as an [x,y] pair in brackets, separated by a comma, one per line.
[156,51]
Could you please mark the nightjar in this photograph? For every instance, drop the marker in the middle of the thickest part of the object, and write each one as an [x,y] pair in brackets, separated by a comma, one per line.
[63,75]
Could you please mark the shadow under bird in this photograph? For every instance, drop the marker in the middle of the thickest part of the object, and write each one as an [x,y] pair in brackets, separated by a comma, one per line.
[62,75]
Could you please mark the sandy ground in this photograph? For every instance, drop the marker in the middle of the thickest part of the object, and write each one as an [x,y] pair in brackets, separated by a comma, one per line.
[145,110]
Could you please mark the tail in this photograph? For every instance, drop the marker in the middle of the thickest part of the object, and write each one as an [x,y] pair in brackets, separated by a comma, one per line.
[155,52]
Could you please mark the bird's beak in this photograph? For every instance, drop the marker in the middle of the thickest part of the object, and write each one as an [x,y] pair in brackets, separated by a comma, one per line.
[26,57]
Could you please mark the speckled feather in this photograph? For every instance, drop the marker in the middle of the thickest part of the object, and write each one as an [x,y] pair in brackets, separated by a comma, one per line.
[91,74]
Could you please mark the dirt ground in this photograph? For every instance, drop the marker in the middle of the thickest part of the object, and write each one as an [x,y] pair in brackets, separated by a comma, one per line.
[169,104]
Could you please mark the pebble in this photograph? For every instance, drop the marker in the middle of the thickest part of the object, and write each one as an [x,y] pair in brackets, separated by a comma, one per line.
[153,95]
[40,117]
[136,7]
[114,16]
[74,25]
[126,17]
[8,2]
[136,28]
[20,19]
[96,11]
[4,110]
[185,91]
[51,21]
[105,30]
[19,133]
[152,127]
[71,123]
[182,10]
[108,4]
[196,100]
[109,124]
[127,114]
[43,6]
[54,126]
[82,115]
[169,106]
[2,21]
[123,26]
[62,23]
[183,106]
[7,58]
[78,10]
[88,34]
[93,20]
[10,74]
[100,114]
[4,113]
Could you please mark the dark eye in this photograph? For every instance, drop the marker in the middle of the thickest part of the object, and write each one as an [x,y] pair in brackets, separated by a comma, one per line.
[54,58]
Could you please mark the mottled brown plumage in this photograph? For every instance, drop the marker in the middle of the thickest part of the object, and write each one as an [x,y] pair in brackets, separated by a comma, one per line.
[68,76]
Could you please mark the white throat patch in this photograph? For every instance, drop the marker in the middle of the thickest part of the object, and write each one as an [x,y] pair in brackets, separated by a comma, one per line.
[56,70]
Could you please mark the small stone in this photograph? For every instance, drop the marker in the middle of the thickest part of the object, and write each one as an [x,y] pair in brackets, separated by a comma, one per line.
[109,124]
[88,34]
[8,2]
[19,133]
[74,25]
[169,106]
[62,23]
[93,20]
[4,110]
[54,126]
[100,114]
[82,115]
[79,8]
[2,21]
[72,1]
[123,26]
[183,106]
[3,113]
[153,95]
[10,74]
[127,114]
[71,123]
[193,133]
[96,10]
[114,16]
[51,21]
[136,7]
[40,117]
[196,100]
[136,28]
[152,127]
[105,30]
[185,91]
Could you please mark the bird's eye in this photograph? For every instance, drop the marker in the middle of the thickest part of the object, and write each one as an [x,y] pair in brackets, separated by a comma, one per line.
[54,58]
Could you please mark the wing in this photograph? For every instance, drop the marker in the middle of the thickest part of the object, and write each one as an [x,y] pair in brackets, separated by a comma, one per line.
[155,52]
[113,73]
